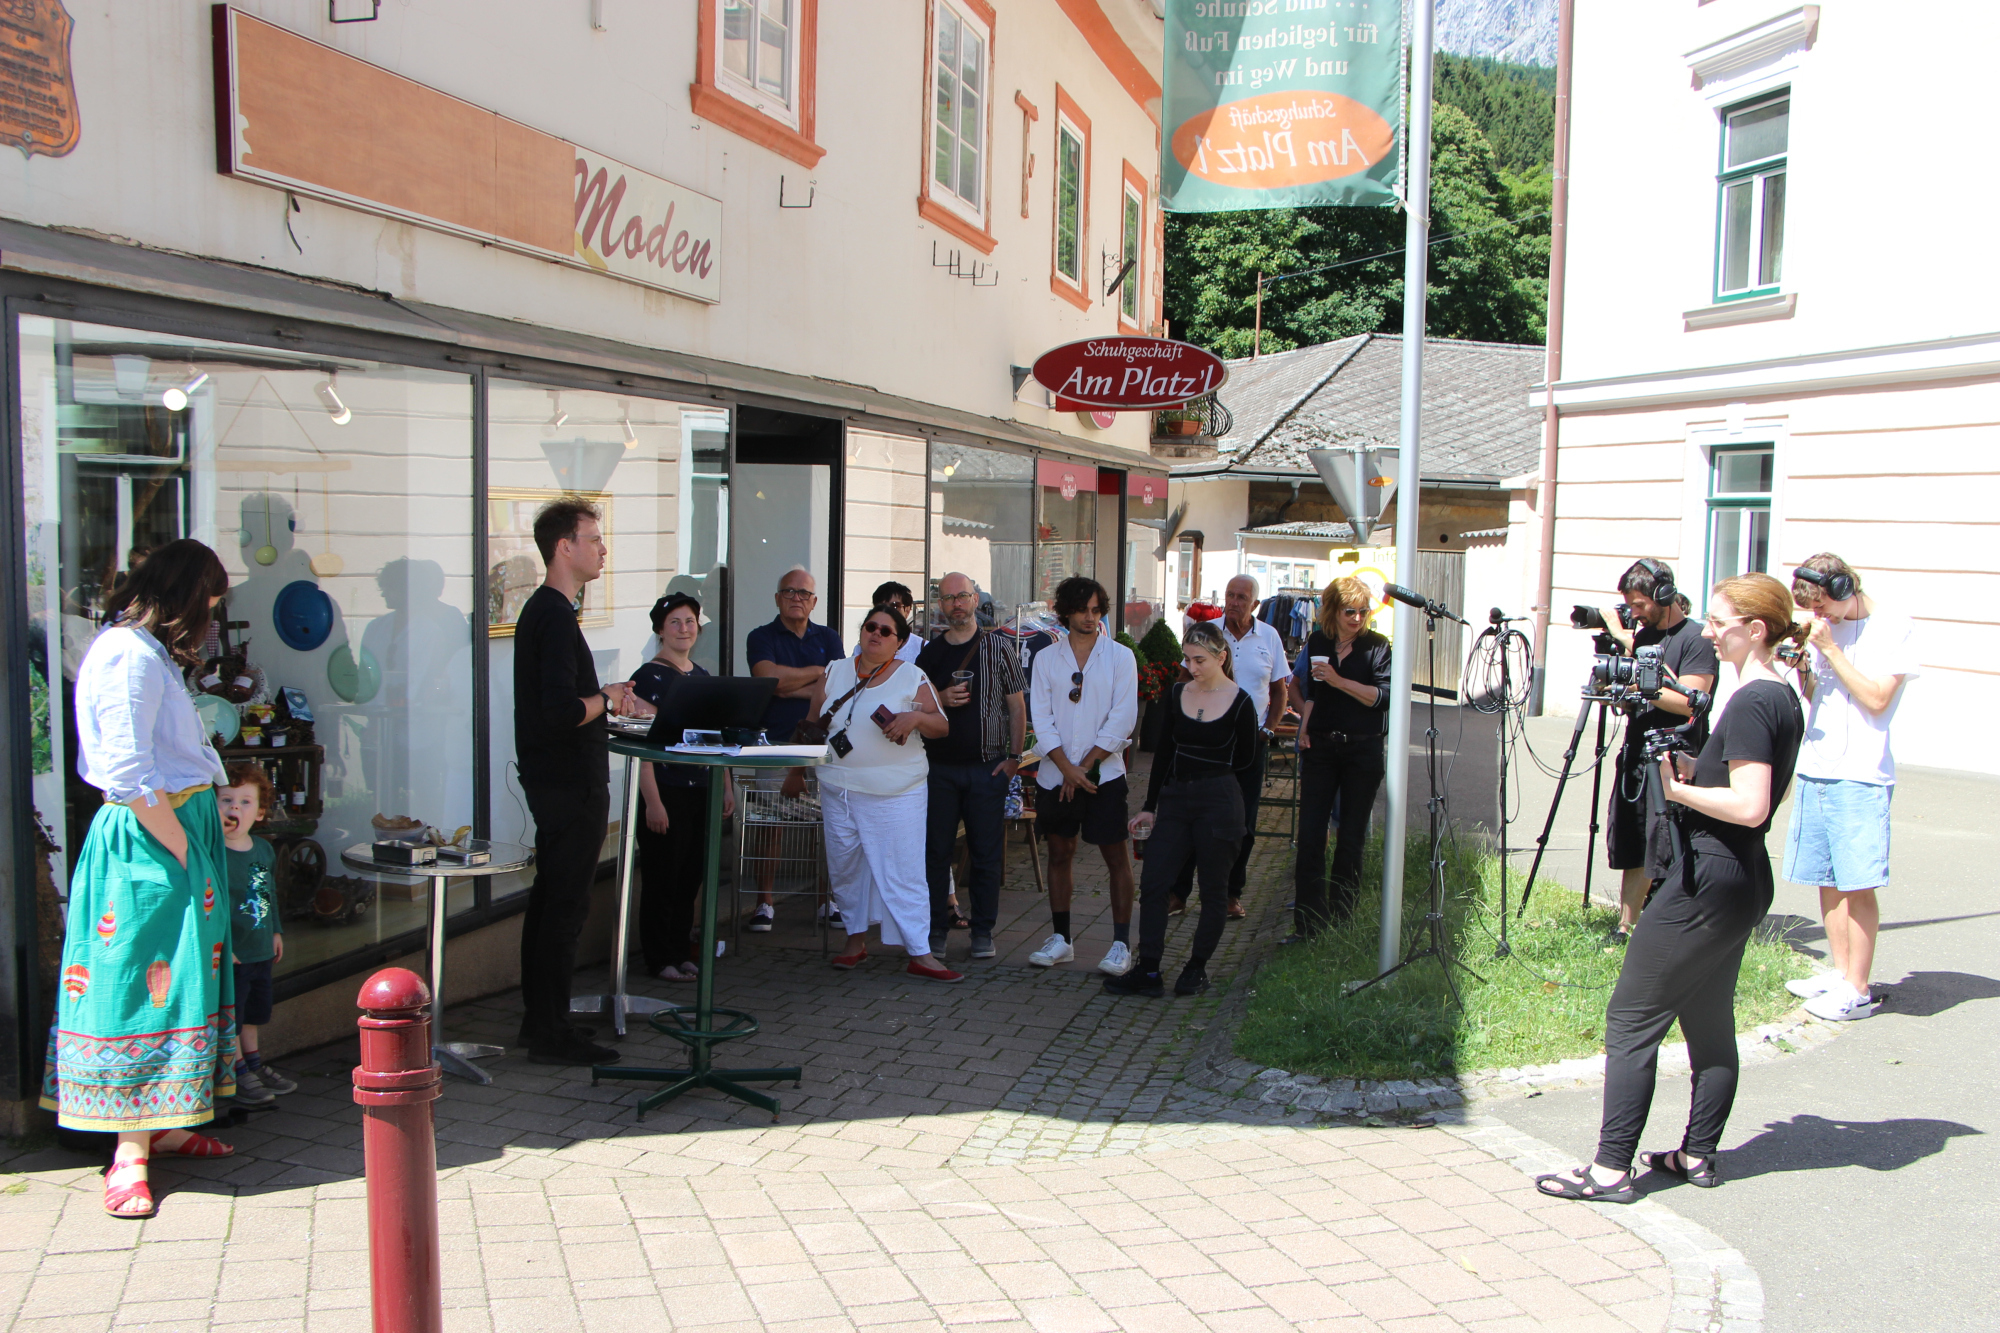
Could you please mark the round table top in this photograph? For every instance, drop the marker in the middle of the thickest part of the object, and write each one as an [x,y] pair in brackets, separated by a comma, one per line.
[507,856]
[639,748]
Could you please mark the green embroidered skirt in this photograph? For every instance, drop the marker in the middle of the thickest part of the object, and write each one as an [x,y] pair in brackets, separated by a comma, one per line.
[145,1029]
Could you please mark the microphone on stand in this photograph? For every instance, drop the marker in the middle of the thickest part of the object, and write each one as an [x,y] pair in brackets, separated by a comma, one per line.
[1421,602]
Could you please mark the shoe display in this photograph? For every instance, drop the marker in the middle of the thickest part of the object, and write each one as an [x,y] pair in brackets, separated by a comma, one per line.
[250,1090]
[982,947]
[1134,982]
[1193,979]
[1813,986]
[1118,962]
[1841,1003]
[572,1048]
[917,969]
[280,1083]
[1054,950]
[762,919]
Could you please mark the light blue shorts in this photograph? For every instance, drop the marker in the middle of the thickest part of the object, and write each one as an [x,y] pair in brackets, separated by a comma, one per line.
[1839,835]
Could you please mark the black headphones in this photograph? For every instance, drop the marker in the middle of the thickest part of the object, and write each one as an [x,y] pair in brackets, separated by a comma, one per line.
[1838,587]
[1663,580]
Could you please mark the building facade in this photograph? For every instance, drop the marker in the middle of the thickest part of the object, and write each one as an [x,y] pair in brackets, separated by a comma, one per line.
[349,300]
[1760,363]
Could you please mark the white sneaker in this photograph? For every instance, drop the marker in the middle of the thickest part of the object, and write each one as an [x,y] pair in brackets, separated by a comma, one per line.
[1841,1004]
[762,919]
[1813,986]
[830,914]
[1118,962]
[1054,950]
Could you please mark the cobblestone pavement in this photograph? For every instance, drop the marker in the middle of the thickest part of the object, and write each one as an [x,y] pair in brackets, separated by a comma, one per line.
[1019,1152]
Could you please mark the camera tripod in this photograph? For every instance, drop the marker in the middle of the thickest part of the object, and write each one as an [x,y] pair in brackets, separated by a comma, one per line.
[1434,916]
[1604,709]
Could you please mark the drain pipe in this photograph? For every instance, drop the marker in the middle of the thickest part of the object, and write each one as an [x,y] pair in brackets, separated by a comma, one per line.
[1545,574]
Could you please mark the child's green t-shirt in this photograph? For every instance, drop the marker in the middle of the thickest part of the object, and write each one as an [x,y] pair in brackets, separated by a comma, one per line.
[253,906]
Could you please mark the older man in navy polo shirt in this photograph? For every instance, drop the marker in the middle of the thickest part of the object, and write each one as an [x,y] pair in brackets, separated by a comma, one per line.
[794,652]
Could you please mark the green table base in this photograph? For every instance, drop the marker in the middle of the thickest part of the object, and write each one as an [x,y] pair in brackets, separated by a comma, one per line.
[702,1033]
[700,1074]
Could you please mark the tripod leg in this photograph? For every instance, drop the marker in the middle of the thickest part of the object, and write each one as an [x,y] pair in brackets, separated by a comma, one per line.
[1555,802]
[1596,804]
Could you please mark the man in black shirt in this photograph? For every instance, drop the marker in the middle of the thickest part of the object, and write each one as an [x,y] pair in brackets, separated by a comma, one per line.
[985,697]
[560,739]
[1635,843]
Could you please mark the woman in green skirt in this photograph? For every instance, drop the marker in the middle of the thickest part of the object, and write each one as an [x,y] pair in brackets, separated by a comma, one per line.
[144,1038]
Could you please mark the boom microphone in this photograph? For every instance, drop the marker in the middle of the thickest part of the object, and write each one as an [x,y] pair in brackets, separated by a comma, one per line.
[1421,602]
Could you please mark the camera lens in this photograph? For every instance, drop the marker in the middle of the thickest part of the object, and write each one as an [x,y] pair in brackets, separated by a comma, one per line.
[1585,617]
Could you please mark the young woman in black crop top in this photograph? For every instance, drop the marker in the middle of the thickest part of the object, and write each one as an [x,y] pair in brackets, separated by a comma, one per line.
[1193,811]
[1688,944]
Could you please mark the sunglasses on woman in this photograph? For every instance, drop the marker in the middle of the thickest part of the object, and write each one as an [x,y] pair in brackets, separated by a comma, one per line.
[886,631]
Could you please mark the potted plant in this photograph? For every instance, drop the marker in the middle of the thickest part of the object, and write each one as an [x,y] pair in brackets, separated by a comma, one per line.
[1182,420]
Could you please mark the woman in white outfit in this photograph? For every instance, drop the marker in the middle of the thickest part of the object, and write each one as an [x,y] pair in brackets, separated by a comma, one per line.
[875,792]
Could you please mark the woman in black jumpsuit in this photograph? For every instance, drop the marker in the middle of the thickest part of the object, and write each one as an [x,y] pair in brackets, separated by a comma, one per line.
[1688,944]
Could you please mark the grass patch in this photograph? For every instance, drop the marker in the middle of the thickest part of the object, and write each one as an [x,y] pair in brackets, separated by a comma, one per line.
[1544,1003]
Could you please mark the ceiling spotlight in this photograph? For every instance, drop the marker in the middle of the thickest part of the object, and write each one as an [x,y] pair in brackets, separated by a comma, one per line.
[337,410]
[556,416]
[631,436]
[175,399]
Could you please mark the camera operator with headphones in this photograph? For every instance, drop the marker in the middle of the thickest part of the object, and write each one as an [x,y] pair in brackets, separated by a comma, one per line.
[1636,844]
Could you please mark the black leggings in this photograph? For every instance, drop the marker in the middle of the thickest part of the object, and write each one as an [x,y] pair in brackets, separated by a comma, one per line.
[1199,822]
[1682,963]
[672,867]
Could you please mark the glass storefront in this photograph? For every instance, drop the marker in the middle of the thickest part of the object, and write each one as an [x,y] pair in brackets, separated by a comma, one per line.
[336,490]
[982,521]
[1066,524]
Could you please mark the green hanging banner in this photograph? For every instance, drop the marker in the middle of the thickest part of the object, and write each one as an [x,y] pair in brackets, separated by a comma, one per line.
[1282,103]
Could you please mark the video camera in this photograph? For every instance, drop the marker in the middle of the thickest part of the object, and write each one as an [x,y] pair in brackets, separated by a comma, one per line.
[1659,742]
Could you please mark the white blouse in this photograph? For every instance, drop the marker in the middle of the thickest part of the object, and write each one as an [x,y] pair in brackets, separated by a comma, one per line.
[140,734]
[876,766]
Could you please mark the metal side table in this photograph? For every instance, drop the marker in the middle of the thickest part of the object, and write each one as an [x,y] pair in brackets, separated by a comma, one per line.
[693,1028]
[455,1057]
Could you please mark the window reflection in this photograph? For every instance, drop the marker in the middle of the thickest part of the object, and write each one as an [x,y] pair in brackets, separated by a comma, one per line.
[982,520]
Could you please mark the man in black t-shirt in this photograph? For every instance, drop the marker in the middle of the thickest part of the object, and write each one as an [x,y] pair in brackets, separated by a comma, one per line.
[1636,843]
[985,695]
[560,742]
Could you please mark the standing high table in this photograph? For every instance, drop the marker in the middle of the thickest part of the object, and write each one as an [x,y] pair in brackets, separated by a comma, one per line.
[699,1036]
[455,1056]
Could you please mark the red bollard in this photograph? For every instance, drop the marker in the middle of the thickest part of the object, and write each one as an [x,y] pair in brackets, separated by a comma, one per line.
[395,1084]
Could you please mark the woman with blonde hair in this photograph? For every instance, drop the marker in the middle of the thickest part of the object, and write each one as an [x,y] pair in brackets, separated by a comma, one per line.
[1193,811]
[1346,689]
[1688,944]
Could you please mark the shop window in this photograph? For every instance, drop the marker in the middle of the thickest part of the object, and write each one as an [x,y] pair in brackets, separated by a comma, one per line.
[755,72]
[1751,197]
[982,523]
[1072,203]
[332,487]
[1739,511]
[1065,525]
[655,472]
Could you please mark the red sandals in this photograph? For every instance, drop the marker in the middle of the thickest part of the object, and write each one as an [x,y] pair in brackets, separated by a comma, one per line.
[117,1196]
[194,1145]
[847,962]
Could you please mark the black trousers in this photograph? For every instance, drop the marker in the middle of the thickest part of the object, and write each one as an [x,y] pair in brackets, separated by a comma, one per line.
[1682,964]
[1253,796]
[569,838]
[1350,772]
[976,795]
[672,866]
[1198,824]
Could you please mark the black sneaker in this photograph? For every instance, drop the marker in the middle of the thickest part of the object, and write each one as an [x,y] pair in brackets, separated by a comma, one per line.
[1194,979]
[982,947]
[572,1049]
[1135,982]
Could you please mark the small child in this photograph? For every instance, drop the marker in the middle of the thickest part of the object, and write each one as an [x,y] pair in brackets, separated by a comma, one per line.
[255,940]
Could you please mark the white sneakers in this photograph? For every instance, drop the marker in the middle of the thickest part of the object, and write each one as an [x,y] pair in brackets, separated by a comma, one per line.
[1841,1003]
[1816,985]
[1054,950]
[762,919]
[830,915]
[1118,962]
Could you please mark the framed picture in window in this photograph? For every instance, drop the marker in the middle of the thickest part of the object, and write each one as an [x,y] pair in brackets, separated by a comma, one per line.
[514,567]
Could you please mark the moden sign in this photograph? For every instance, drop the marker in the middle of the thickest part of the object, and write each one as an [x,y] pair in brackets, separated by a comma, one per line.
[1129,373]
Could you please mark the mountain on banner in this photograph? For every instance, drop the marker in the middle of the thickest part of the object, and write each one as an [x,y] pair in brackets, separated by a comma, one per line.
[1521,32]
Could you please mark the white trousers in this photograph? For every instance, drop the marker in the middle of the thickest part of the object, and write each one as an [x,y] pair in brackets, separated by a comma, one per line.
[875,860]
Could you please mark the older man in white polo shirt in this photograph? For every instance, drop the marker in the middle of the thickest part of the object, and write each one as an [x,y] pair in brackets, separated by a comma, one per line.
[1257,656]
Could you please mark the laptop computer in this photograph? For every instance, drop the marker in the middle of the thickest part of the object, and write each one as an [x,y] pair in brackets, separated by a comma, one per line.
[710,703]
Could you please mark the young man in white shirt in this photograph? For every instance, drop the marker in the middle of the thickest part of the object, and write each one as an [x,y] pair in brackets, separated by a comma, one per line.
[1257,657]
[1852,676]
[1084,701]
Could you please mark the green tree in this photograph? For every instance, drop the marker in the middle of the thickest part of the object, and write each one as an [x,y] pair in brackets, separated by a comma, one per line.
[1513,105]
[1489,269]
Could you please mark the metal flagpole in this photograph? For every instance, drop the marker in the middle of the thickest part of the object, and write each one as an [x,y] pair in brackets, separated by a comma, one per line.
[1416,273]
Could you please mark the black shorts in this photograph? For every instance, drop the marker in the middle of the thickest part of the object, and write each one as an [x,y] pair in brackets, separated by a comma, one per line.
[253,993]
[1100,819]
[1633,838]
